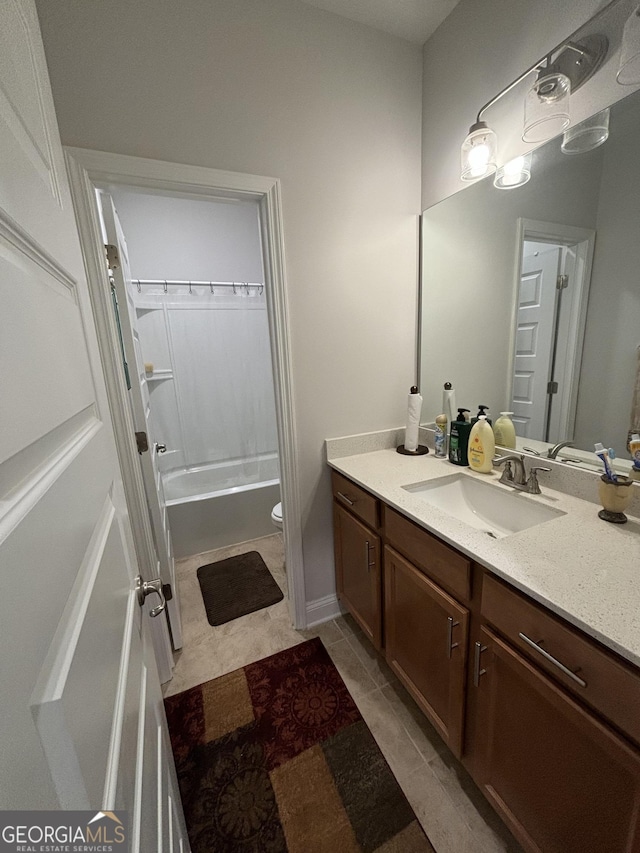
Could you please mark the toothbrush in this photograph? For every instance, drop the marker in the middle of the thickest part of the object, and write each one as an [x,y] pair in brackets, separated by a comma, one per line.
[603,454]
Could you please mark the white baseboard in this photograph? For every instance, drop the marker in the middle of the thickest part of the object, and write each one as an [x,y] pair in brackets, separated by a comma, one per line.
[322,610]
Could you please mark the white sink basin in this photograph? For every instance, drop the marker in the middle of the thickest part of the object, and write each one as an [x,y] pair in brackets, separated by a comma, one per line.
[484,506]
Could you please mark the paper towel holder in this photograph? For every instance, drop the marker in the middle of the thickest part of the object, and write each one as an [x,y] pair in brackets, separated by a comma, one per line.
[420,450]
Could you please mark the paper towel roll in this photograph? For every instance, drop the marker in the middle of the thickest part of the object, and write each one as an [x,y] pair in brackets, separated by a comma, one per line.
[449,402]
[414,408]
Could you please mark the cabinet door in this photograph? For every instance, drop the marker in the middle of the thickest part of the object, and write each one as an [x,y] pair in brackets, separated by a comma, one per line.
[426,645]
[561,780]
[358,575]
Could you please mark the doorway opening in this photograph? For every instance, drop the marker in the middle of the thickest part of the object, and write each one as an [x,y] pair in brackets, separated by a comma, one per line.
[551,295]
[201,302]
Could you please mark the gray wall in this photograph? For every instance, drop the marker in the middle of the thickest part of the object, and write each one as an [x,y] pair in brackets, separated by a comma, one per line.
[330,107]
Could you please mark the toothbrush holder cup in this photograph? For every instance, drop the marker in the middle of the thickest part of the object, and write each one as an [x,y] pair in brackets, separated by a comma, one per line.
[614,498]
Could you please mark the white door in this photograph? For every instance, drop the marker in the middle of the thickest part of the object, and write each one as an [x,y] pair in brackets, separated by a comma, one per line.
[142,416]
[533,342]
[82,724]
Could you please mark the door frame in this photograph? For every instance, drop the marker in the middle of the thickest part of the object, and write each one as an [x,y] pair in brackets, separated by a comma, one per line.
[584,241]
[89,168]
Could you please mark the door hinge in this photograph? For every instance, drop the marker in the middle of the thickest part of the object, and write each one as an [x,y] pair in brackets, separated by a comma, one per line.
[552,387]
[562,282]
[142,442]
[168,592]
[113,258]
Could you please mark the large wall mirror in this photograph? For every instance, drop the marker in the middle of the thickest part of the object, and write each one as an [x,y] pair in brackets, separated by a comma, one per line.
[530,297]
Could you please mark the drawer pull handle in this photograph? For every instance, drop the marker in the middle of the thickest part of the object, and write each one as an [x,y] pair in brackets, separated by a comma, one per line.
[450,644]
[345,499]
[367,552]
[553,660]
[477,672]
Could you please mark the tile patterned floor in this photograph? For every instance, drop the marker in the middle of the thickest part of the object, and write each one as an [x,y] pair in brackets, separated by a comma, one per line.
[452,811]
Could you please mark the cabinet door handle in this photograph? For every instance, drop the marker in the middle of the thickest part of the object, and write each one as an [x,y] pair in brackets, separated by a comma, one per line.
[477,672]
[551,659]
[450,644]
[345,498]
[367,552]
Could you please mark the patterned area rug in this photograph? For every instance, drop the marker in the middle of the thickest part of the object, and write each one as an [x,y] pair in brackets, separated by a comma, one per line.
[276,757]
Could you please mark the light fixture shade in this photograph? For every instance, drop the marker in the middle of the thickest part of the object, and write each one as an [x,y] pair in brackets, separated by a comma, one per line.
[515,173]
[629,65]
[587,135]
[478,152]
[546,108]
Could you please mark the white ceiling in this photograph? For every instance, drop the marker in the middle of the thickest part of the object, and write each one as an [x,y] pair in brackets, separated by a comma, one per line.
[414,20]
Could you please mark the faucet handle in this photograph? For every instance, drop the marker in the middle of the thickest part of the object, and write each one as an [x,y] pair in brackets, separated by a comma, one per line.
[533,486]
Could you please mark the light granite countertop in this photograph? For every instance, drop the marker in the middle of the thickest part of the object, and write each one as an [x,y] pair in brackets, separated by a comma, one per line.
[584,569]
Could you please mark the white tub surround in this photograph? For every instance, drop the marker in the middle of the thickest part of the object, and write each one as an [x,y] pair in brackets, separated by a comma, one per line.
[580,567]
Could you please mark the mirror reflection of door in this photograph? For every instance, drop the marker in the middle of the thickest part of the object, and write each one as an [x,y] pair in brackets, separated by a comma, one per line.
[549,327]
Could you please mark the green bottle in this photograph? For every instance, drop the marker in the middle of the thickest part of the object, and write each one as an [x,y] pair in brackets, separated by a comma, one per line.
[459,439]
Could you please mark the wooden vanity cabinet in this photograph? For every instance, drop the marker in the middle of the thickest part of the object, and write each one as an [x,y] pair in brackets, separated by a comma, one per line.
[358,556]
[561,780]
[545,718]
[426,634]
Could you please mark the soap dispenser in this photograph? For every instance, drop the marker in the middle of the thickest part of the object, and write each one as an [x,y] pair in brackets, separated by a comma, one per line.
[459,439]
[482,446]
[482,410]
[505,431]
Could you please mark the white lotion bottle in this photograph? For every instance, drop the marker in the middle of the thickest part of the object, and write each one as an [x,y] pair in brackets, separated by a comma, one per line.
[505,431]
[482,446]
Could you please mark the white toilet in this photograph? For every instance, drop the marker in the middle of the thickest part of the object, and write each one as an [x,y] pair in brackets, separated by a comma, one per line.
[276,515]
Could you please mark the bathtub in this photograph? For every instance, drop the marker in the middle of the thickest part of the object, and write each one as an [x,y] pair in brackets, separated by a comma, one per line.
[221,504]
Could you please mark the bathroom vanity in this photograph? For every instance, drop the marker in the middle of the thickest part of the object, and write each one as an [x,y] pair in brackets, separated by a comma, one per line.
[522,648]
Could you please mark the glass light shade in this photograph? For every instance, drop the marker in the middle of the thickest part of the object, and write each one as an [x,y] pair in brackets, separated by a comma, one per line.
[546,108]
[478,152]
[515,173]
[629,65]
[587,135]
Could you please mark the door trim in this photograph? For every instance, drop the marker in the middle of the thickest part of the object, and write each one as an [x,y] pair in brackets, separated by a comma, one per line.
[86,168]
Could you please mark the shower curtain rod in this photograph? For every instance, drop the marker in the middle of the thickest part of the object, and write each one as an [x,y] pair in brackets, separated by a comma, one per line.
[184,283]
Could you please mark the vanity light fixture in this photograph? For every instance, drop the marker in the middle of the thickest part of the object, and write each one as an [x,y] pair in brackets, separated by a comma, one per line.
[478,152]
[559,74]
[515,173]
[629,65]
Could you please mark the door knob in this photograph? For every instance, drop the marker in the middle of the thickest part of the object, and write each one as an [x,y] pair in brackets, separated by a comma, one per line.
[161,448]
[145,588]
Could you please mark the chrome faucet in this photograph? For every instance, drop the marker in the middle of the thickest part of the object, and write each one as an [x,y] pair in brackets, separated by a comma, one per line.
[515,473]
[552,452]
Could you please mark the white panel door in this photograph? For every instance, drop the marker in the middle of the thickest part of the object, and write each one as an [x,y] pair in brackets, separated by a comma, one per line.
[76,670]
[142,416]
[534,335]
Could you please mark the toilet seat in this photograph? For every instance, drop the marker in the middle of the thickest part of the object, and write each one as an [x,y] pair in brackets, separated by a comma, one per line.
[276,514]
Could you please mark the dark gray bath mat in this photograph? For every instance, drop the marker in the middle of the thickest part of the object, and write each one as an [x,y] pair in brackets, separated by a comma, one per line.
[237,586]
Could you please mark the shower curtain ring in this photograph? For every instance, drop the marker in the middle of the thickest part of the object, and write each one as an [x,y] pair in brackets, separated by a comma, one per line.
[138,286]
[211,286]
[165,286]
[190,291]
[261,289]
[234,288]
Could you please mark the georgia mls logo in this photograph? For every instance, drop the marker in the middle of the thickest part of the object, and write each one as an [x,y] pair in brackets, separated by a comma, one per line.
[64,832]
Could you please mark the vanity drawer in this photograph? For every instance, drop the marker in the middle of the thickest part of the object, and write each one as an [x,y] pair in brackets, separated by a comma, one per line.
[608,684]
[446,566]
[356,500]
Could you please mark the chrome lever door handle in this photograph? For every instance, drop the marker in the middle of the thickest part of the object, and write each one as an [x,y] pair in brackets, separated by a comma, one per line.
[145,588]
[160,448]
